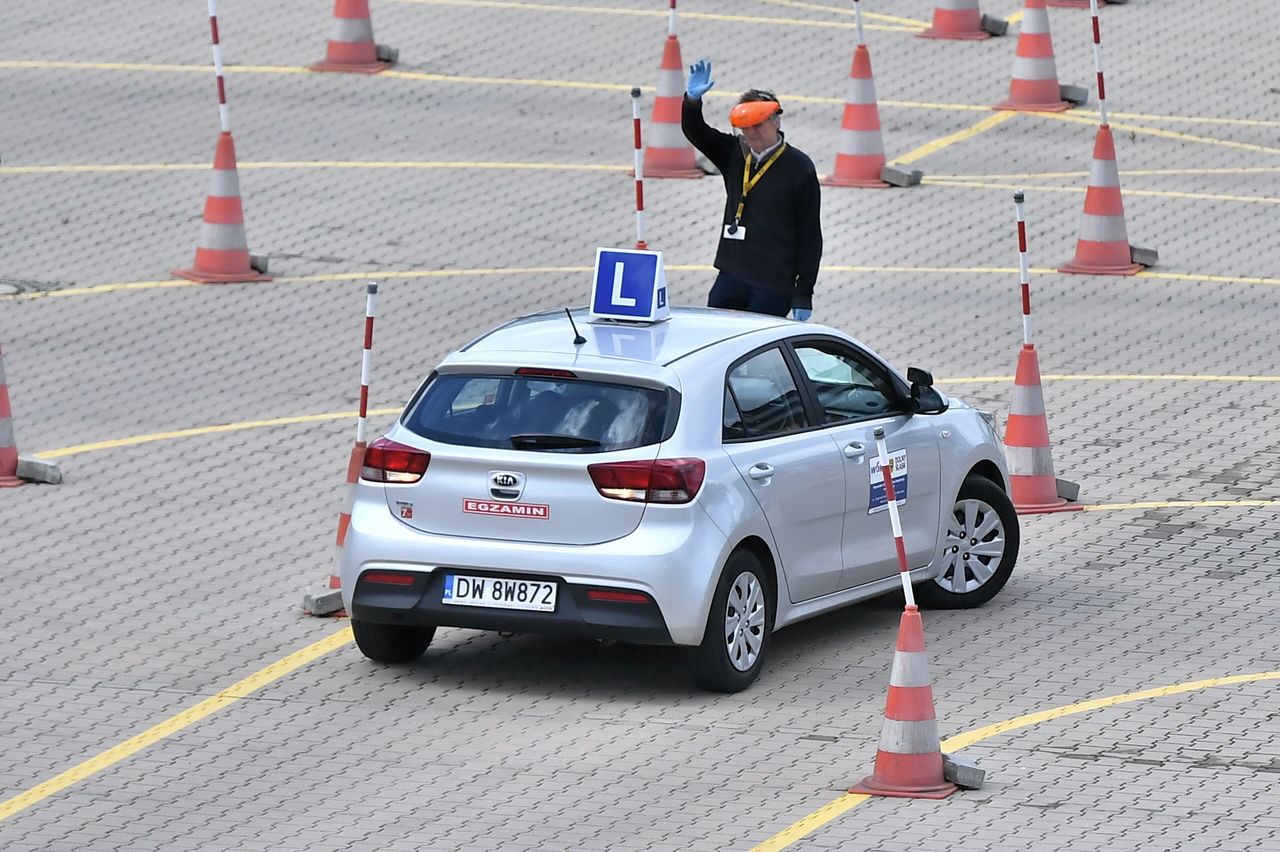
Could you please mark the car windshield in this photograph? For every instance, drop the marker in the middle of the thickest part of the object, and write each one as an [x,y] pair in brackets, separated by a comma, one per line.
[535,413]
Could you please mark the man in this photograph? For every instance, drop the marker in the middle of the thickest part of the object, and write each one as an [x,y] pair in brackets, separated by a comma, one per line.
[771,238]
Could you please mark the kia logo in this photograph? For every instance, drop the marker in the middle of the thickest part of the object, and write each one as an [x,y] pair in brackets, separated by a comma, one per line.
[504,480]
[506,484]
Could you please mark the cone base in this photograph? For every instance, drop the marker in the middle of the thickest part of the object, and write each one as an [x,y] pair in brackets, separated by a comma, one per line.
[870,786]
[1073,268]
[11,482]
[979,35]
[370,68]
[1016,106]
[1046,508]
[199,275]
[872,183]
[671,173]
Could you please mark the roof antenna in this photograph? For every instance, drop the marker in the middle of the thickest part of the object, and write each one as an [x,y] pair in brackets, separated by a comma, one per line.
[578,339]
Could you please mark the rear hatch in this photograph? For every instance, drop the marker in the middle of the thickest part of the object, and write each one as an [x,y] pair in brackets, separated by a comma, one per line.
[510,454]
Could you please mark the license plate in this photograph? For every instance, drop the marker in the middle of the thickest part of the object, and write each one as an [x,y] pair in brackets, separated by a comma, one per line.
[495,592]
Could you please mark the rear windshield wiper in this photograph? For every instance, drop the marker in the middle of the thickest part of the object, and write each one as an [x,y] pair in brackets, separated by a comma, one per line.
[550,442]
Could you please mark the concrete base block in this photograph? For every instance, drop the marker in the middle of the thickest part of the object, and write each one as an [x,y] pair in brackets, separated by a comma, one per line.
[1073,94]
[995,26]
[1144,256]
[39,470]
[258,263]
[896,176]
[387,53]
[962,772]
[1068,490]
[322,600]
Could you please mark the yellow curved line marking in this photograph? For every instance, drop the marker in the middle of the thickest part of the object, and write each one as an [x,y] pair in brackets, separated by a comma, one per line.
[236,692]
[830,811]
[648,13]
[1181,504]
[317,164]
[1130,191]
[993,120]
[1124,173]
[844,10]
[1162,134]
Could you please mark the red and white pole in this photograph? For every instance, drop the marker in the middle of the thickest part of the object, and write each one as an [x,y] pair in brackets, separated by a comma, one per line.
[857,16]
[223,116]
[671,20]
[357,451]
[1024,273]
[891,497]
[639,154]
[1097,62]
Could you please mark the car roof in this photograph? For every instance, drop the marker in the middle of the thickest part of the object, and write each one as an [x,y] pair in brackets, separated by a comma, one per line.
[688,330]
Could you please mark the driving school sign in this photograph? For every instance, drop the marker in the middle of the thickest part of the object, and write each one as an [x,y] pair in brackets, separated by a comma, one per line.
[877,501]
[629,285]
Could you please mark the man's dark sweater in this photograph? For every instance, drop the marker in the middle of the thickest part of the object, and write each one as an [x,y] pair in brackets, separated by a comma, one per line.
[784,234]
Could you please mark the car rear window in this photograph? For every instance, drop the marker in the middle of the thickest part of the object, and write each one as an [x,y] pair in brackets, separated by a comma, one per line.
[535,413]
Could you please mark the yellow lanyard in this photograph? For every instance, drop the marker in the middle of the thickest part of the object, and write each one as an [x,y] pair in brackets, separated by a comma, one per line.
[749,182]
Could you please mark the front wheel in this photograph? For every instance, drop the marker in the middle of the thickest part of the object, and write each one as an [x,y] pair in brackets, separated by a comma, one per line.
[391,643]
[979,551]
[738,628]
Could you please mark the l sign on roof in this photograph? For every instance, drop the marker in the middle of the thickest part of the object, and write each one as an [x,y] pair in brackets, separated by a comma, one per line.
[629,285]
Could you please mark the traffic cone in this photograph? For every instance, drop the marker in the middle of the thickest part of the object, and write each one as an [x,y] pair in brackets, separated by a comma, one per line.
[1026,443]
[1103,246]
[223,253]
[8,443]
[956,19]
[1035,86]
[351,47]
[909,760]
[669,154]
[327,599]
[860,156]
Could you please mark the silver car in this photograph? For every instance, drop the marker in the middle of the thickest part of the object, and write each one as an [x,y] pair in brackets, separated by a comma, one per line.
[700,482]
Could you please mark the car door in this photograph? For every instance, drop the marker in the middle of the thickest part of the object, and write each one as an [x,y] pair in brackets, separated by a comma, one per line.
[854,395]
[794,471]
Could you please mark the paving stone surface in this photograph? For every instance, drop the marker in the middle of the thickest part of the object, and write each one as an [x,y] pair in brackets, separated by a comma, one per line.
[474,183]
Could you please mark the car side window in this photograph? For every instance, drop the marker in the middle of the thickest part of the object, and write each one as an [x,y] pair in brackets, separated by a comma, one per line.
[846,386]
[764,398]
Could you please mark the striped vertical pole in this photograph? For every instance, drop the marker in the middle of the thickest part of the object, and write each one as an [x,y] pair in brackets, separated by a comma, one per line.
[1097,62]
[357,451]
[8,443]
[671,20]
[857,17]
[891,498]
[1024,272]
[223,115]
[639,156]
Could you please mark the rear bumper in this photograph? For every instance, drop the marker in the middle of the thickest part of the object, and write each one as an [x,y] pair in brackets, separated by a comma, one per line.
[575,613]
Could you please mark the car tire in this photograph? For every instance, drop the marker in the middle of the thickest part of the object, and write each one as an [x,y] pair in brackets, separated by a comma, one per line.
[391,643]
[738,628]
[982,519]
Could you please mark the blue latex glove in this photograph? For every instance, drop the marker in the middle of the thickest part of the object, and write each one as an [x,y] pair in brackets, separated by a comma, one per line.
[801,314]
[700,81]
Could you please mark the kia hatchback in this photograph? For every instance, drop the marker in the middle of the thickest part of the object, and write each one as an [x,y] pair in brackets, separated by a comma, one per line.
[701,482]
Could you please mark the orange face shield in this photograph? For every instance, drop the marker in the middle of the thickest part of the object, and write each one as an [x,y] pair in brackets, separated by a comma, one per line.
[752,113]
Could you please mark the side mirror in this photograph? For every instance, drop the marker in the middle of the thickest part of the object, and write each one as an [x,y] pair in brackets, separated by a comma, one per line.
[924,398]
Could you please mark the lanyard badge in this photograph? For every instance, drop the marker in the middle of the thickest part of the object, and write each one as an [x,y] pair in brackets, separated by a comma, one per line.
[737,231]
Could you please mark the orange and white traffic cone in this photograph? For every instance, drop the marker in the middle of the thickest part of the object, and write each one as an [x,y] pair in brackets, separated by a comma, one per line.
[1103,244]
[351,46]
[909,759]
[222,255]
[1035,86]
[8,442]
[1032,483]
[669,154]
[956,19]
[860,156]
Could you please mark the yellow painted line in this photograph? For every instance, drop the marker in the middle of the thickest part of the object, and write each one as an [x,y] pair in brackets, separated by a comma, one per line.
[1182,504]
[174,724]
[993,120]
[1197,119]
[844,10]
[318,164]
[1124,173]
[1015,18]
[1162,134]
[62,65]
[135,440]
[648,13]
[1130,191]
[830,811]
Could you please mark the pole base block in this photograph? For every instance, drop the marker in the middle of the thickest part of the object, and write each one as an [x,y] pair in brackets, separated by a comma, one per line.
[321,600]
[39,470]
[203,277]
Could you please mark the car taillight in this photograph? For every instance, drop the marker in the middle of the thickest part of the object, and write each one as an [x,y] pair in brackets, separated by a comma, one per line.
[546,373]
[661,481]
[386,578]
[388,461]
